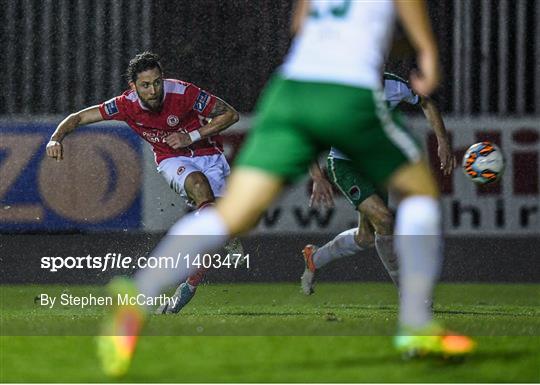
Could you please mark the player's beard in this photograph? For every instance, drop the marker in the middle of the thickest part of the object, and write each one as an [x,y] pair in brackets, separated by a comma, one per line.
[158,102]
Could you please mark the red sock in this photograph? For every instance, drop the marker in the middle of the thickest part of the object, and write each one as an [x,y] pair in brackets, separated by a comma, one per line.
[196,278]
[205,204]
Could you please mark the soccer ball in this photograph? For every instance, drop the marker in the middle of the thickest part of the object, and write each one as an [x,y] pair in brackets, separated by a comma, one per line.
[483,163]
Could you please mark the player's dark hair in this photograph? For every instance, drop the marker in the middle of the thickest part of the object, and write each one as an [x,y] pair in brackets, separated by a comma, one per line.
[140,63]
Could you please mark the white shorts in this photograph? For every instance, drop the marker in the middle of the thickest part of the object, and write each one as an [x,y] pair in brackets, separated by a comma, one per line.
[214,167]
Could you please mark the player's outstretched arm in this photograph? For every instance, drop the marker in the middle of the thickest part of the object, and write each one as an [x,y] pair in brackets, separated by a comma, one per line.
[223,116]
[322,193]
[444,150]
[88,115]
[415,20]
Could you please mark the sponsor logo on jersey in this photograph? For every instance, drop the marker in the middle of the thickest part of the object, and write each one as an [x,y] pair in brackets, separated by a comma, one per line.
[154,137]
[180,170]
[172,120]
[110,107]
[201,102]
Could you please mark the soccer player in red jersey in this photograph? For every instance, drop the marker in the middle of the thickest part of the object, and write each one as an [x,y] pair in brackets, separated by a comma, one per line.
[182,124]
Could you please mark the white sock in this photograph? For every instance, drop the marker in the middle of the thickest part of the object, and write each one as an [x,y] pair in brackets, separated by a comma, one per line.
[418,245]
[385,249]
[341,246]
[193,234]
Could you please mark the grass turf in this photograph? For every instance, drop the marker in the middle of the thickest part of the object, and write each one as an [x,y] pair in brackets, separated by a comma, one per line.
[272,333]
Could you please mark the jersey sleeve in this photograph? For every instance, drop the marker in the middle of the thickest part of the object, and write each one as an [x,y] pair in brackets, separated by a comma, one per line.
[200,101]
[408,95]
[397,91]
[113,109]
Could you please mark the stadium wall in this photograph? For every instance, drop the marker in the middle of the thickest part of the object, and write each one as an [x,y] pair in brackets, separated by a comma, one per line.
[507,208]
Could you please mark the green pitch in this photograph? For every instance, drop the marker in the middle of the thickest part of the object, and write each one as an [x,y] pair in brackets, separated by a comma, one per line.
[273,333]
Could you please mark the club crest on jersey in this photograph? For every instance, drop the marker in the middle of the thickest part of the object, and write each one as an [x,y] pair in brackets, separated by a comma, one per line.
[172,120]
[201,102]
[180,170]
[110,107]
[354,192]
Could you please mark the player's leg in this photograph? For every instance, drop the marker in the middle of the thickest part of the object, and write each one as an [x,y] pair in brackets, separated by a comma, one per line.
[217,171]
[375,223]
[207,230]
[201,188]
[236,212]
[392,150]
[418,244]
[417,240]
[374,218]
[307,279]
[348,134]
[185,176]
[248,194]
[346,243]
[375,210]
[386,153]
[381,220]
[198,189]
[357,192]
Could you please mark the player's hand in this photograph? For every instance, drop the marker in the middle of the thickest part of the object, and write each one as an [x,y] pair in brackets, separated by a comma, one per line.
[427,79]
[178,140]
[322,194]
[55,150]
[446,156]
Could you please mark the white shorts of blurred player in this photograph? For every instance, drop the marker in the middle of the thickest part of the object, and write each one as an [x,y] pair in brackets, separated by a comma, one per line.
[176,170]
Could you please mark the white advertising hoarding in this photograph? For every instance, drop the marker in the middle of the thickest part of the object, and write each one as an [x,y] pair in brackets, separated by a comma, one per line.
[509,207]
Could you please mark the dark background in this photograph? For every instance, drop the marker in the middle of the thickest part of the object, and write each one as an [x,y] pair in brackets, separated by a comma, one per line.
[243,42]
[231,47]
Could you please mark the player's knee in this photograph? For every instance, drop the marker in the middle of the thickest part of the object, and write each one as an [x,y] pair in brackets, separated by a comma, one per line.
[364,239]
[239,223]
[424,185]
[198,188]
[414,179]
[239,218]
[196,180]
[364,236]
[424,189]
[383,223]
